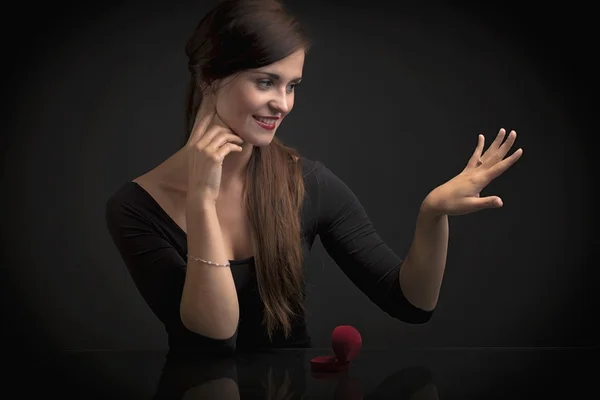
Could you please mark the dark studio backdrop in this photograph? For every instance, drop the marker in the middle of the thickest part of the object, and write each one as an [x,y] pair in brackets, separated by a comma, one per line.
[392,101]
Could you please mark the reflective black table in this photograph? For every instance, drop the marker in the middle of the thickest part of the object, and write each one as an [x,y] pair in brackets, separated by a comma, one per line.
[443,373]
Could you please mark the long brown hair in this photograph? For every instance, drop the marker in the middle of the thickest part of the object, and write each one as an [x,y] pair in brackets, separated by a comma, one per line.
[234,36]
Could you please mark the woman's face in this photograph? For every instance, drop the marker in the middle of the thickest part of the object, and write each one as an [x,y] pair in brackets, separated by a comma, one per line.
[253,103]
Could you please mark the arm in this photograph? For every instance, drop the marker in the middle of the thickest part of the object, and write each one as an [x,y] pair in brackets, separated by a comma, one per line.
[209,304]
[349,237]
[423,269]
[159,272]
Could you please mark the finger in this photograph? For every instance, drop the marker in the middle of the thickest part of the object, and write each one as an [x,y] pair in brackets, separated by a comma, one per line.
[495,145]
[200,126]
[223,138]
[474,204]
[498,169]
[204,116]
[217,125]
[482,203]
[226,149]
[477,153]
[510,140]
[210,135]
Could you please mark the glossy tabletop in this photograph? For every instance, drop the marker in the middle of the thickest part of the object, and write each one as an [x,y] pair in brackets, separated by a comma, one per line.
[436,373]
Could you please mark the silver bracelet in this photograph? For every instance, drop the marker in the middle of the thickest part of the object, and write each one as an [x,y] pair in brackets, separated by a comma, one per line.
[208,262]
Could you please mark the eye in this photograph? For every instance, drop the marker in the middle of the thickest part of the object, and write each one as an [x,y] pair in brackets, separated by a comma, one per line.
[264,83]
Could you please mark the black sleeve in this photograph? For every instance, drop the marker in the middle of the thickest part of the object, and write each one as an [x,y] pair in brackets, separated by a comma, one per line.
[348,236]
[158,271]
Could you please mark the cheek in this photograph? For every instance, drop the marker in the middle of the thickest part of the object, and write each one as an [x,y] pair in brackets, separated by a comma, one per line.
[243,103]
[230,106]
[251,101]
[235,108]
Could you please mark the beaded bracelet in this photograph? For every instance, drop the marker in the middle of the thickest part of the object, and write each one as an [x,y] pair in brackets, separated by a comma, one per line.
[208,262]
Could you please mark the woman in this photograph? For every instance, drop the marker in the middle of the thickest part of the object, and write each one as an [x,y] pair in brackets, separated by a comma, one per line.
[215,236]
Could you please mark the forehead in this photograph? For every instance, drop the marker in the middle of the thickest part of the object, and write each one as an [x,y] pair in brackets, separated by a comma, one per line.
[288,68]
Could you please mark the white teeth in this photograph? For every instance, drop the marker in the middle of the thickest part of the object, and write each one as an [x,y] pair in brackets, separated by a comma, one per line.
[266,120]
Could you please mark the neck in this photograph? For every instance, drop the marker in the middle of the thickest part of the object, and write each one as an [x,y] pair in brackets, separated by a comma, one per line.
[235,165]
[172,173]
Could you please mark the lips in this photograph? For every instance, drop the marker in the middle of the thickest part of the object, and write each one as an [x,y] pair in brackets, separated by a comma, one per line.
[270,119]
[270,125]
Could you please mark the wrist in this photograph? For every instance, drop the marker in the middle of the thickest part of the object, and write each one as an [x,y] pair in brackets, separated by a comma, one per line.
[200,203]
[431,207]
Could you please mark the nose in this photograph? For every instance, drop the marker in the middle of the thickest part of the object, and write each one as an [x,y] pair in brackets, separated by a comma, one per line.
[280,104]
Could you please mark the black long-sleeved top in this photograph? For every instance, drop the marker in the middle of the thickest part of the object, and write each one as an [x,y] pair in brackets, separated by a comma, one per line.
[154,248]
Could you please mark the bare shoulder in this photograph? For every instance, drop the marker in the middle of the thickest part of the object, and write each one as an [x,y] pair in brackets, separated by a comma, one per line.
[172,204]
[153,188]
[145,181]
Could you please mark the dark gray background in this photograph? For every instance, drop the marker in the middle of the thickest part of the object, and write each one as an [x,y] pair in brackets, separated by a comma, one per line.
[392,101]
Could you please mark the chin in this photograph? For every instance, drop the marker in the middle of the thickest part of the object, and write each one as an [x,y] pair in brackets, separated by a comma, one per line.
[257,139]
[258,142]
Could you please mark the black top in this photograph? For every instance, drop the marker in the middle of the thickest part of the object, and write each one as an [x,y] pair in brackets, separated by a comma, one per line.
[154,248]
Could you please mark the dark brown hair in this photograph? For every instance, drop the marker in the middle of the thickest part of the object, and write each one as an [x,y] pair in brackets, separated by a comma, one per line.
[235,36]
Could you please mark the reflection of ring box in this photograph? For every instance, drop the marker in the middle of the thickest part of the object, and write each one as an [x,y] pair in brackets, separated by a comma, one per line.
[328,364]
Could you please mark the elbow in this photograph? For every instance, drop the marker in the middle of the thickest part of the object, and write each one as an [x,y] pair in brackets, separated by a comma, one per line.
[416,317]
[216,330]
[403,310]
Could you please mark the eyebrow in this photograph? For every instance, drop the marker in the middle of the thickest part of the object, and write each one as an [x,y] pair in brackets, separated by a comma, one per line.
[277,77]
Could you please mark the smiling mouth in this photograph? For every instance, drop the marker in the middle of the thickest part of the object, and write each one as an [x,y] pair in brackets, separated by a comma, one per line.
[266,120]
[266,123]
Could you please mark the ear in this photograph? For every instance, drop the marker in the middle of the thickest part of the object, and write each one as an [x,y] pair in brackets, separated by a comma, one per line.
[211,87]
[207,87]
[210,92]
